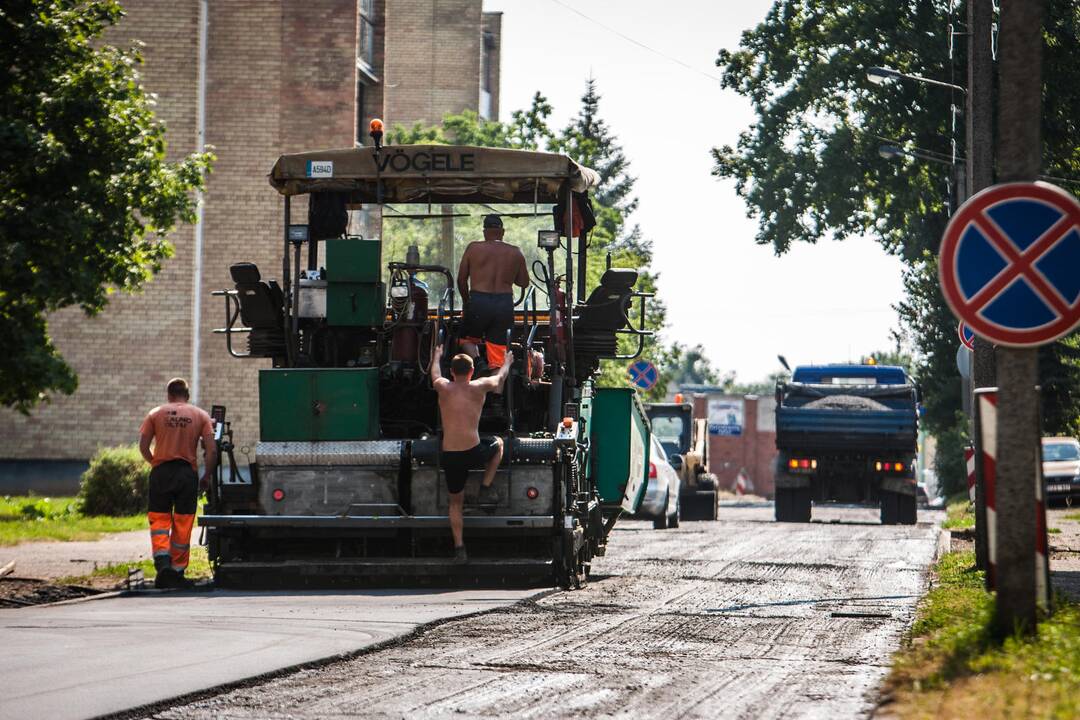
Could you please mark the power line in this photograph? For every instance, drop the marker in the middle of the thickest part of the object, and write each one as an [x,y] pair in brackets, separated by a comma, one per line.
[640,44]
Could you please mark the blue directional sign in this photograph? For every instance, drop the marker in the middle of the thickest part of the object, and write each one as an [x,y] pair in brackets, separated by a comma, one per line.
[643,374]
[1008,263]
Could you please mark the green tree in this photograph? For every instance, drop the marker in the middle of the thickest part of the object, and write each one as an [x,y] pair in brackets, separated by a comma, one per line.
[808,167]
[588,139]
[691,366]
[86,195]
[759,387]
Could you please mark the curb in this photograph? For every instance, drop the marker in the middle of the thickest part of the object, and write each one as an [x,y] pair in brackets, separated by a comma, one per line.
[77,601]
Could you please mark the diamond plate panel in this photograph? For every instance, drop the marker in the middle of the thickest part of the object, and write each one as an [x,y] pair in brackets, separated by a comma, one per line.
[358,452]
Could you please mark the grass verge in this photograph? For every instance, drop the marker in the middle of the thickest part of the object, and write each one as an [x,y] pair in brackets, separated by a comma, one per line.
[959,513]
[28,518]
[198,567]
[950,666]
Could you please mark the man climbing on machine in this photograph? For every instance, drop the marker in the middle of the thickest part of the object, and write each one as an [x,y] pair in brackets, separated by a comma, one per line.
[460,402]
[175,430]
[486,278]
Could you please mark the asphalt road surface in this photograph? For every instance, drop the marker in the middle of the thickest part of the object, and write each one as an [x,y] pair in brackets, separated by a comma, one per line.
[87,659]
[743,618]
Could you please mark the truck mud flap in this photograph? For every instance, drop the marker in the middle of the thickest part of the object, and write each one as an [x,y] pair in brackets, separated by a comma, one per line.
[901,486]
[791,481]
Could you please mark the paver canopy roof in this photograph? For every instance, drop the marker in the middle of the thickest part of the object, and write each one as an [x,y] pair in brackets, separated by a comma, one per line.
[432,173]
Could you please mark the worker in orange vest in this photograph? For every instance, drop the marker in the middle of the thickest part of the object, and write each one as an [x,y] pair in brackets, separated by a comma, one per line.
[175,429]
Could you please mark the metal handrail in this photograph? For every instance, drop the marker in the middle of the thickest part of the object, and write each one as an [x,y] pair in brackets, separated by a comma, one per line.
[232,298]
[639,331]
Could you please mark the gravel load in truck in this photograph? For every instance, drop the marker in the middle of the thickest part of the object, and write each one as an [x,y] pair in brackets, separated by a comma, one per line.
[847,402]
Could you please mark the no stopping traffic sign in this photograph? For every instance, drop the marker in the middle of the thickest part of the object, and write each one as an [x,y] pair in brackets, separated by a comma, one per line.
[967,338]
[1008,263]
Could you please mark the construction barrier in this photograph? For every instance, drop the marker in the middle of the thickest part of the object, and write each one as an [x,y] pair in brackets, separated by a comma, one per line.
[986,421]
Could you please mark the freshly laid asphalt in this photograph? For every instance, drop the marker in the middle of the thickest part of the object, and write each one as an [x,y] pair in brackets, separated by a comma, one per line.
[104,656]
[740,618]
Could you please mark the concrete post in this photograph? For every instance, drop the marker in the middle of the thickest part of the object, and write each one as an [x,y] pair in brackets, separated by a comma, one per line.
[1019,156]
[980,174]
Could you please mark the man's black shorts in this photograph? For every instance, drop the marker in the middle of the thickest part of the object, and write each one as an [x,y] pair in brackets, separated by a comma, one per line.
[174,487]
[456,464]
[488,316]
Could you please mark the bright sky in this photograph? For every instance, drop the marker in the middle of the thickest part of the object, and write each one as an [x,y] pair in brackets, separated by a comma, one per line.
[825,303]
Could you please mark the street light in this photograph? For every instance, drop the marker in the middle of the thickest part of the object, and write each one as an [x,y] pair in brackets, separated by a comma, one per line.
[882,75]
[892,152]
[889,152]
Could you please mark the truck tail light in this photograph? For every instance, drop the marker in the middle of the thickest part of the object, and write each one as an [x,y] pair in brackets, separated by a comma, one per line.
[802,464]
[279,494]
[532,493]
[888,466]
[652,470]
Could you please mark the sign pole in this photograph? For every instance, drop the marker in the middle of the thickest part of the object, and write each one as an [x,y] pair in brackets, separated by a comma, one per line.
[980,174]
[1019,159]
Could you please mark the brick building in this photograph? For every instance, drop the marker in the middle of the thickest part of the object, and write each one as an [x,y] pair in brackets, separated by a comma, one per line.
[742,437]
[254,79]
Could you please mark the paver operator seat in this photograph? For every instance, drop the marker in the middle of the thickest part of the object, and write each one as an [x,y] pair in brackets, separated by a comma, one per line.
[262,308]
[602,316]
[608,305]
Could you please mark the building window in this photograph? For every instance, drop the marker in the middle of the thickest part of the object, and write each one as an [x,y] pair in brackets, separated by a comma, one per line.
[361,129]
[365,33]
[487,50]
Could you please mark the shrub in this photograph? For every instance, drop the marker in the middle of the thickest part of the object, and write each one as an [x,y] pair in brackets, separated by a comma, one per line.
[949,460]
[115,483]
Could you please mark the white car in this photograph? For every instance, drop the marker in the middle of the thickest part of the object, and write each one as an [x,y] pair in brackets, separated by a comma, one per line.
[1061,468]
[661,501]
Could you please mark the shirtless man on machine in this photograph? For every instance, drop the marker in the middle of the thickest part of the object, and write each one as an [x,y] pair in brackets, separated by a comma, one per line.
[486,278]
[460,402]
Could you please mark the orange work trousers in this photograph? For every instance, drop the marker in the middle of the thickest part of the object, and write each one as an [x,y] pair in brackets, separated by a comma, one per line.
[174,492]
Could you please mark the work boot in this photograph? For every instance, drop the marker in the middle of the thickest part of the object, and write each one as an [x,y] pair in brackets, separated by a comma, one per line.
[182,583]
[488,495]
[166,579]
[460,556]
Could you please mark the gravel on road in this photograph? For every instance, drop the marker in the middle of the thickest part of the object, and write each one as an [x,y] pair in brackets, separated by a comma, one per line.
[741,618]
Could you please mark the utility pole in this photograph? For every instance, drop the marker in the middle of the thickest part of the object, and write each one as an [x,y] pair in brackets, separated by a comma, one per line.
[980,174]
[1019,158]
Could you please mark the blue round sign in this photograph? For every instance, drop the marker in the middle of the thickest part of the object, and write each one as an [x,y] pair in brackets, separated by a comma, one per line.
[1008,263]
[643,374]
[967,338]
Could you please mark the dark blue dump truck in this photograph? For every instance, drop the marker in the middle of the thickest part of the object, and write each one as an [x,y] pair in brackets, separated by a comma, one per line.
[847,433]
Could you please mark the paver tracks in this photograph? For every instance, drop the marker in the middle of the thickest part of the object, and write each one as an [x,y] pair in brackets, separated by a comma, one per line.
[743,618]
